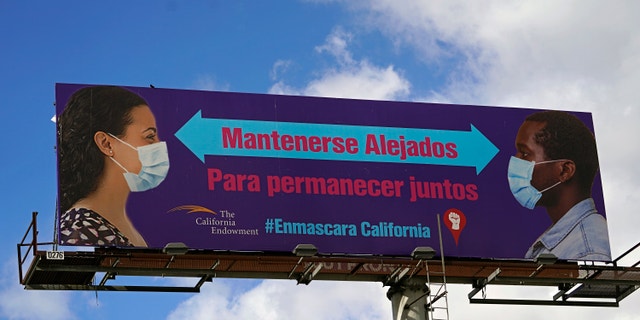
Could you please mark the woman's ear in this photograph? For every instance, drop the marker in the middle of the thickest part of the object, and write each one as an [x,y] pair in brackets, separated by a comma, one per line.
[103,141]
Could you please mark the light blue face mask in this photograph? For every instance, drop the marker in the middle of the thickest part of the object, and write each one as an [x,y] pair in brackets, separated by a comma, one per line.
[155,166]
[520,173]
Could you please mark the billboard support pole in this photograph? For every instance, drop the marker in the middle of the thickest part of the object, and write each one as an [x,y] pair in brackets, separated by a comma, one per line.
[405,296]
[408,293]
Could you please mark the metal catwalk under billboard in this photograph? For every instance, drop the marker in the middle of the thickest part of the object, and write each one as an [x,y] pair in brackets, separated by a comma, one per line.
[144,167]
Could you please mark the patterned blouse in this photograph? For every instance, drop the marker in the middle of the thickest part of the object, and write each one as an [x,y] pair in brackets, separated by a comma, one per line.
[85,227]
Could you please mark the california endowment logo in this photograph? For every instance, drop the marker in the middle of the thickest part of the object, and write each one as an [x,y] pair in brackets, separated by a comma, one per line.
[222,223]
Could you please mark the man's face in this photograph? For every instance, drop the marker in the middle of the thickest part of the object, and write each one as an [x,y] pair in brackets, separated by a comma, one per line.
[546,174]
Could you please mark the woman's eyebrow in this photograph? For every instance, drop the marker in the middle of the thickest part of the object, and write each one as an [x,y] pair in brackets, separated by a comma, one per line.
[152,129]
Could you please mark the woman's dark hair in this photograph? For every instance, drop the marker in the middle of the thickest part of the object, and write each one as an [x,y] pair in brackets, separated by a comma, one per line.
[564,136]
[80,162]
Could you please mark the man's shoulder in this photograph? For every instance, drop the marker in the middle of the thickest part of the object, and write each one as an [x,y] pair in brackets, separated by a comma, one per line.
[593,222]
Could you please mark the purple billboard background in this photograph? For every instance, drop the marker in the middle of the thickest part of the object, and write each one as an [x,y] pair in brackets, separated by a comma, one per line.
[494,226]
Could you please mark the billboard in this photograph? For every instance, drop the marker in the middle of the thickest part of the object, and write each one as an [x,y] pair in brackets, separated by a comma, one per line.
[144,167]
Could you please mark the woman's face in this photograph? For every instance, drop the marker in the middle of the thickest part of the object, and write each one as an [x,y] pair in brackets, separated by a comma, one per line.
[142,131]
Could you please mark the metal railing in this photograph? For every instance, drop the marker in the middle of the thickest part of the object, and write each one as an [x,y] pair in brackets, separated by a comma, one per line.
[32,246]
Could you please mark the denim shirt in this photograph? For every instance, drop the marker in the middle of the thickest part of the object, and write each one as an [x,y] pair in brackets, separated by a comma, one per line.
[581,234]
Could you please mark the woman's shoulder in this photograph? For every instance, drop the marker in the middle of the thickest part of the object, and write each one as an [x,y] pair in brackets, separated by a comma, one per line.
[83,214]
[82,226]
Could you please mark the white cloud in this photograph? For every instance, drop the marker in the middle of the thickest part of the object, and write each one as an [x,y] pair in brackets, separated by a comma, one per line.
[361,81]
[208,83]
[280,67]
[283,299]
[18,303]
[459,307]
[519,51]
[336,44]
[350,78]
[321,300]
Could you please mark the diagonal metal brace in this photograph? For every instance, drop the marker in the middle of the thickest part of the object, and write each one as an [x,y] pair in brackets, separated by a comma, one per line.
[482,283]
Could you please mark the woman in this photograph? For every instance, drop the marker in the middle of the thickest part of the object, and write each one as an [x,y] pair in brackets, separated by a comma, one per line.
[108,146]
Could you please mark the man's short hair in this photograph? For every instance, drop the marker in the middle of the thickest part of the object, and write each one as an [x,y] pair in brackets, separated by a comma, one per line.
[564,136]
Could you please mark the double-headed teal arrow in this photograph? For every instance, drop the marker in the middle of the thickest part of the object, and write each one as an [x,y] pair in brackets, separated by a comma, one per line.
[204,136]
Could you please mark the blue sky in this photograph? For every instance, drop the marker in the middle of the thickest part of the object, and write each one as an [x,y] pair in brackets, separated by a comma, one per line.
[541,54]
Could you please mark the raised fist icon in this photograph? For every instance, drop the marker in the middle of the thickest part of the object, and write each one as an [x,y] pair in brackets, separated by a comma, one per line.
[455,220]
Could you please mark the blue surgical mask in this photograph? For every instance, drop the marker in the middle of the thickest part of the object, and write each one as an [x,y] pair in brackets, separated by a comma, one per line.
[520,173]
[155,166]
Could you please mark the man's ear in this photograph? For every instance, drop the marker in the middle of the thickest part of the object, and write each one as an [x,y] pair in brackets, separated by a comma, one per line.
[568,170]
[103,141]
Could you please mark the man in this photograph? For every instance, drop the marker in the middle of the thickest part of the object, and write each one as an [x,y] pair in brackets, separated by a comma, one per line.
[554,167]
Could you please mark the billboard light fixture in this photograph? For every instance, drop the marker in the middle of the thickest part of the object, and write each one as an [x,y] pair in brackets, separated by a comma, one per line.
[175,248]
[305,250]
[546,258]
[423,253]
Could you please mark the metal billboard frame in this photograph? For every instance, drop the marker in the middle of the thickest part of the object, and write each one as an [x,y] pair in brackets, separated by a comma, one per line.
[579,284]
